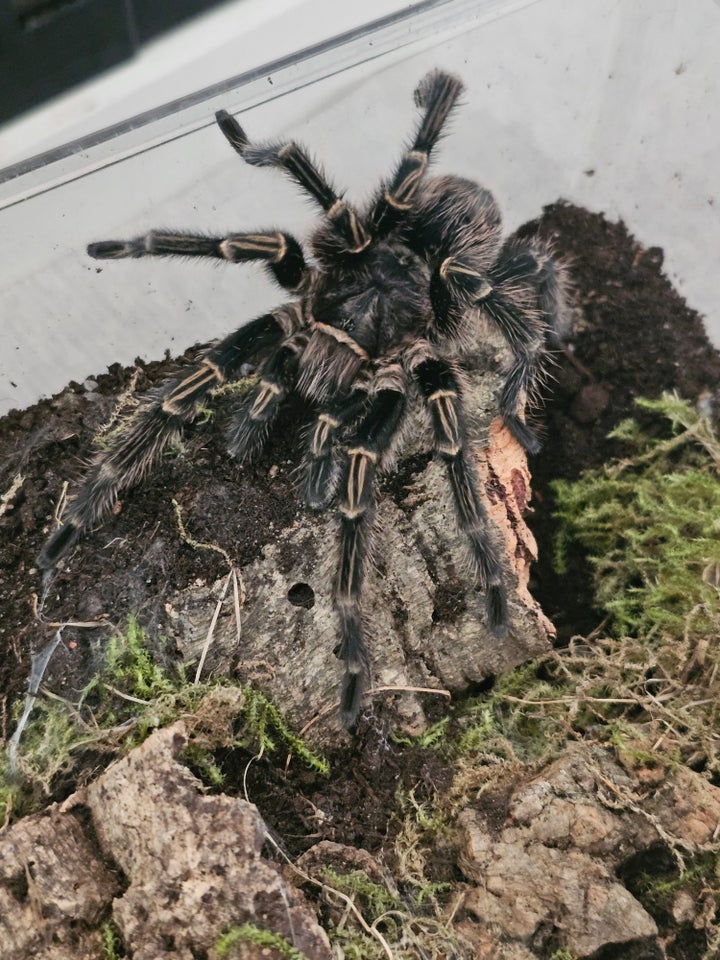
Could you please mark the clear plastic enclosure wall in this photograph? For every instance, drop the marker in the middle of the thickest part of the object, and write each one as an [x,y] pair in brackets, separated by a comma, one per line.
[609,104]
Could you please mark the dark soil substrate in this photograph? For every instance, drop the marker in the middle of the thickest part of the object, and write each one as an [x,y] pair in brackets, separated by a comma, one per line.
[637,338]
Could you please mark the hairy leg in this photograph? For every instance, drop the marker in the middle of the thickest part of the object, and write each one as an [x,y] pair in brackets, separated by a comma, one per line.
[323,462]
[528,273]
[371,441]
[138,444]
[295,160]
[436,94]
[253,419]
[440,386]
[456,226]
[281,252]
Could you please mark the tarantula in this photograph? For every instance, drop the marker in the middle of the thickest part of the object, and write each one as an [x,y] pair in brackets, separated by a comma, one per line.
[383,310]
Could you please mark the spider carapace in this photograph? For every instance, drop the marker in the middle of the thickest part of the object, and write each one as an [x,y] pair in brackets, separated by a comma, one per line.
[379,315]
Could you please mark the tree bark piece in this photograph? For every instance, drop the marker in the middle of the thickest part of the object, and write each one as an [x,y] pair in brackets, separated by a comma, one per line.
[193,862]
[551,870]
[54,888]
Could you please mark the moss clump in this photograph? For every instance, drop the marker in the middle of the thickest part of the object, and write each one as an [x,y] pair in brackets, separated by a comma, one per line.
[657,893]
[648,682]
[250,933]
[369,919]
[111,942]
[131,695]
[651,525]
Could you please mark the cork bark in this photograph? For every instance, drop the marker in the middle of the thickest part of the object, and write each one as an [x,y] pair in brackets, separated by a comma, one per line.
[424,613]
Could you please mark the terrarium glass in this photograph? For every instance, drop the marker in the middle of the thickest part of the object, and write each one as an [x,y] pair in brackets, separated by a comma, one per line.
[607,105]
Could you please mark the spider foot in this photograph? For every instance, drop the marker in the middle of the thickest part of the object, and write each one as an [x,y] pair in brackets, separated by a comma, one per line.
[351,694]
[58,545]
[497,612]
[115,249]
[232,131]
[256,154]
[437,86]
[524,435]
[351,650]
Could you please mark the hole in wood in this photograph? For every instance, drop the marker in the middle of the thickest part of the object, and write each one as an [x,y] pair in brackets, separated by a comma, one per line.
[301,595]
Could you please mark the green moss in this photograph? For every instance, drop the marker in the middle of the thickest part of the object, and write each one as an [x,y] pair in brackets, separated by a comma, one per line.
[250,933]
[657,893]
[648,686]
[374,899]
[131,695]
[111,942]
[367,918]
[130,666]
[507,723]
[263,720]
[650,525]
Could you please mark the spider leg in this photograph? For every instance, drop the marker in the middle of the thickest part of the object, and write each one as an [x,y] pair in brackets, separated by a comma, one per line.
[437,93]
[526,335]
[373,438]
[138,445]
[281,252]
[527,273]
[534,265]
[295,160]
[522,328]
[440,386]
[253,420]
[469,271]
[323,467]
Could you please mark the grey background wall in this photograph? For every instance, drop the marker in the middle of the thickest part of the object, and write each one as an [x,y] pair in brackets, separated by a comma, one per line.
[607,104]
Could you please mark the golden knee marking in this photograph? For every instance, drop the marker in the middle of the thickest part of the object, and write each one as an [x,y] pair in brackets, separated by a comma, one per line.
[323,428]
[418,155]
[358,234]
[446,416]
[331,421]
[352,513]
[441,393]
[211,365]
[361,238]
[403,193]
[282,248]
[342,337]
[449,267]
[361,471]
[207,375]
[267,392]
[272,247]
[396,204]
[371,455]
